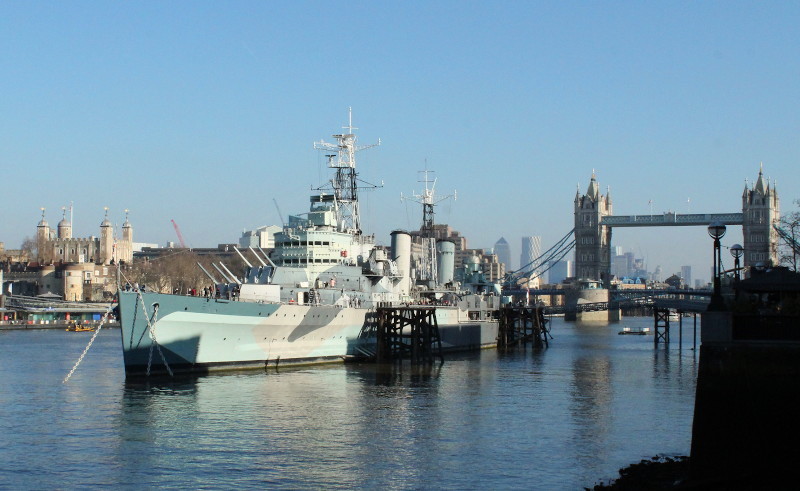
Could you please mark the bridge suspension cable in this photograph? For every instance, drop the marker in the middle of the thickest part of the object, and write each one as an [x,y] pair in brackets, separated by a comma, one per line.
[545,260]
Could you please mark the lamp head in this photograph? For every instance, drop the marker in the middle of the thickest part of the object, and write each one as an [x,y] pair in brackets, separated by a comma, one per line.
[716,230]
[737,250]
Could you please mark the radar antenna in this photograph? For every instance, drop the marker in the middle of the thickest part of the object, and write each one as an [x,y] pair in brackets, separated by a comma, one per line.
[428,200]
[342,157]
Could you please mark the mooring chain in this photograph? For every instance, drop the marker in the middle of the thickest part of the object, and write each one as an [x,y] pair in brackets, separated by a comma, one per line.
[152,339]
[152,331]
[86,350]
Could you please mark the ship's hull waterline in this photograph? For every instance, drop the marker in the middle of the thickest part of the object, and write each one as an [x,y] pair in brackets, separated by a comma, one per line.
[200,335]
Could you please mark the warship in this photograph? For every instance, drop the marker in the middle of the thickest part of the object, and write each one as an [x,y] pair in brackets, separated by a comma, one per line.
[313,298]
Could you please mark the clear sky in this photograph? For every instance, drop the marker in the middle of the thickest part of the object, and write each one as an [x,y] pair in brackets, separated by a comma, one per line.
[204,112]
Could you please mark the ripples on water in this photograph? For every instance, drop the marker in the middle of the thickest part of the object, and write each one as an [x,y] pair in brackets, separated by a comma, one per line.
[559,418]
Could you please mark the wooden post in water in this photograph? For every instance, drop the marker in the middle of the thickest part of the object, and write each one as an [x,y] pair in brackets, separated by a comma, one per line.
[408,332]
[520,324]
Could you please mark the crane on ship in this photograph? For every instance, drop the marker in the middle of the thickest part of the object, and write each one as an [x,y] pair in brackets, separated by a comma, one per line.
[178,233]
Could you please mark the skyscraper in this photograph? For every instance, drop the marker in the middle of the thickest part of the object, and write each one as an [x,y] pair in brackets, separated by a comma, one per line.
[686,275]
[503,251]
[559,271]
[531,249]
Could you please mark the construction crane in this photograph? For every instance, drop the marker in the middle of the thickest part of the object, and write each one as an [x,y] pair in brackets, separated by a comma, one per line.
[279,212]
[178,232]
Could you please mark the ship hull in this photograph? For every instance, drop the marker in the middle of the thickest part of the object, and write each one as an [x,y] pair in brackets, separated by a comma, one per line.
[200,335]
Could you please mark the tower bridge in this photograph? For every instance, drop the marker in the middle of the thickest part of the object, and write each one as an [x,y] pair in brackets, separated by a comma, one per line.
[670,219]
[594,222]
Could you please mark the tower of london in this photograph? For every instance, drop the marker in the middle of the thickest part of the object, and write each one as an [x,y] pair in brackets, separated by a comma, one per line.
[59,246]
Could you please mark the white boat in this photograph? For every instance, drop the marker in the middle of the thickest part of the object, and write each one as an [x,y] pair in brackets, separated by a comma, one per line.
[313,300]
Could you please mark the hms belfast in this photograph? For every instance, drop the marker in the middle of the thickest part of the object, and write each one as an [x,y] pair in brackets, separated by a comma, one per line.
[313,300]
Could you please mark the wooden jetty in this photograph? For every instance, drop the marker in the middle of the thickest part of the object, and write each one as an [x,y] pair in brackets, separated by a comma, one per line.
[408,332]
[521,324]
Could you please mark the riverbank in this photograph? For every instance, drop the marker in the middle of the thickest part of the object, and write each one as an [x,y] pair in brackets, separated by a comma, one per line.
[663,472]
[30,326]
[659,472]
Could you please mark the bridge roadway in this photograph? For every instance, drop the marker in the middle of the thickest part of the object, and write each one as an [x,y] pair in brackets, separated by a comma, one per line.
[678,305]
[672,219]
[648,292]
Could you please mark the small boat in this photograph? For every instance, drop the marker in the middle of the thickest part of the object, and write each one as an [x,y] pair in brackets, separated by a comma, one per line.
[73,327]
[640,331]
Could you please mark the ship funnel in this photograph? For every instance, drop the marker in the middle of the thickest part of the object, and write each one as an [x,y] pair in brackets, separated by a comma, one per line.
[445,261]
[401,253]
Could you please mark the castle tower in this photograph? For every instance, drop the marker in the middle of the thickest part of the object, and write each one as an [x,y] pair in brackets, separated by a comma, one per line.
[761,213]
[64,226]
[125,247]
[42,238]
[127,229]
[106,241]
[592,240]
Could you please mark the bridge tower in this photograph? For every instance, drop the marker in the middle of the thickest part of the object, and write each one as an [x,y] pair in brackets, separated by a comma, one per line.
[592,240]
[760,215]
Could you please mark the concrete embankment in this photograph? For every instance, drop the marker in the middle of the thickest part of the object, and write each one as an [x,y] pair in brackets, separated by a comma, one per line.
[745,419]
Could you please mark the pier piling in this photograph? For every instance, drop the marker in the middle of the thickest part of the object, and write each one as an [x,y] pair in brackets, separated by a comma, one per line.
[408,332]
[522,324]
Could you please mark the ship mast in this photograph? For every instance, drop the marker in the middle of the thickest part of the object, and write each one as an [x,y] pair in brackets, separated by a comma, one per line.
[428,201]
[342,157]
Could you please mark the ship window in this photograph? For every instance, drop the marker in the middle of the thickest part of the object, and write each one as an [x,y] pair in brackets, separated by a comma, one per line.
[326,243]
[303,261]
[317,260]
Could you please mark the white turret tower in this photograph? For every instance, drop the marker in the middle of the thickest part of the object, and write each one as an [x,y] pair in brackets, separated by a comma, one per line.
[761,213]
[106,241]
[592,240]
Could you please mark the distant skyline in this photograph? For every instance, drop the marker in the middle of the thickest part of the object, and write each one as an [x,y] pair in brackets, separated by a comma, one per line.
[206,112]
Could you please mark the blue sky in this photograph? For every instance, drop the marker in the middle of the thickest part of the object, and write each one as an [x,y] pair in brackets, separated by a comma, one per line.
[204,112]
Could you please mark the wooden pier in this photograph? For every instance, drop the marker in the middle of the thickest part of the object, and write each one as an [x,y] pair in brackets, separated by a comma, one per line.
[521,324]
[410,332]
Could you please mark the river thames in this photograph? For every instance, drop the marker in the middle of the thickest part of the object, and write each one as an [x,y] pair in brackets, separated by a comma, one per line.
[564,417]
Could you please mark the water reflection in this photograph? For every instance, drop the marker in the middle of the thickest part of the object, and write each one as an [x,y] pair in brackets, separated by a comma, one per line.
[582,408]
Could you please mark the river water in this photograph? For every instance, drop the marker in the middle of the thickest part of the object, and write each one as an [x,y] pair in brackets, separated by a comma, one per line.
[564,417]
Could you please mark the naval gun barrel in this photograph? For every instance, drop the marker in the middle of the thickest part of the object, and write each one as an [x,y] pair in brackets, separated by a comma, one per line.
[208,274]
[243,258]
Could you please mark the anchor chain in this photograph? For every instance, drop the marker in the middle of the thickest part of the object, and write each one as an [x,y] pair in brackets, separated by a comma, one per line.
[86,350]
[152,331]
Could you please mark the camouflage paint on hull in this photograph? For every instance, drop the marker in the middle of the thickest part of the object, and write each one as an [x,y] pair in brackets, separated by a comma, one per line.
[198,335]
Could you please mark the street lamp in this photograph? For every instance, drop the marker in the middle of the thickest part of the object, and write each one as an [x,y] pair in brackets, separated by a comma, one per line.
[716,230]
[737,251]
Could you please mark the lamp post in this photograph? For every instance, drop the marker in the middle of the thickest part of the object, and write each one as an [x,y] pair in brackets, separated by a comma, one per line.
[737,251]
[716,230]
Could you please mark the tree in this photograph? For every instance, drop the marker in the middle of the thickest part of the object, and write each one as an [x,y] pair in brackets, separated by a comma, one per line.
[790,226]
[29,247]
